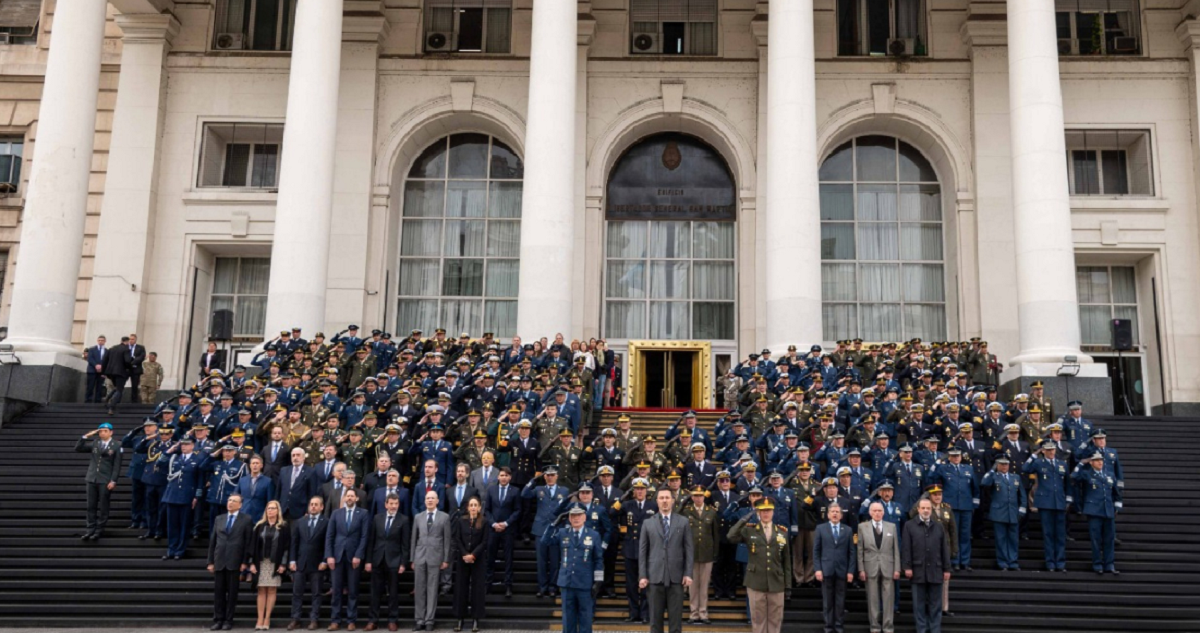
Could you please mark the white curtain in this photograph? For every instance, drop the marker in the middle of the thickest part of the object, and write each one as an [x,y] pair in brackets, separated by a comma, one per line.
[1092,285]
[626,279]
[420,237]
[713,280]
[713,240]
[461,315]
[464,238]
[712,320]
[465,198]
[921,242]
[225,276]
[505,199]
[417,313]
[881,322]
[504,239]
[839,321]
[878,241]
[500,317]
[668,320]
[920,203]
[627,240]
[502,275]
[499,27]
[669,280]
[625,319]
[424,199]
[839,283]
[910,19]
[877,202]
[1124,285]
[927,322]
[670,240]
[879,282]
[924,283]
[420,278]
[250,317]
[1094,325]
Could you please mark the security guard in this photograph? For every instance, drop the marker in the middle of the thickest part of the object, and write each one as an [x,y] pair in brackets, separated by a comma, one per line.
[768,566]
[1048,476]
[580,570]
[545,500]
[1100,500]
[629,524]
[1006,506]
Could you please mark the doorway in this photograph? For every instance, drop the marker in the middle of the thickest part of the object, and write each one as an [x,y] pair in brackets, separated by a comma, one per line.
[1128,383]
[670,374]
[669,378]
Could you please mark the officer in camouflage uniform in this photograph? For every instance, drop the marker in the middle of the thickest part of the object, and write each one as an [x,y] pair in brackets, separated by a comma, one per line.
[472,453]
[355,452]
[565,457]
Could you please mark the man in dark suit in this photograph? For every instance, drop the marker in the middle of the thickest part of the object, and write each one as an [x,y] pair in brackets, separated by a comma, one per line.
[378,477]
[211,359]
[666,556]
[503,505]
[297,484]
[430,481]
[307,563]
[391,487]
[834,560]
[333,491]
[116,370]
[104,468]
[95,357]
[925,557]
[275,453]
[228,552]
[345,549]
[460,492]
[388,549]
[135,355]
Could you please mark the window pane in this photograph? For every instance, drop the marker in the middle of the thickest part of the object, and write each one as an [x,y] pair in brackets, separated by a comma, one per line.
[1124,285]
[837,240]
[669,320]
[1091,283]
[505,200]
[420,237]
[255,275]
[237,159]
[220,303]
[877,202]
[921,242]
[250,318]
[837,202]
[920,202]
[625,319]
[1094,325]
[468,156]
[626,279]
[839,282]
[504,239]
[927,322]
[464,238]
[502,277]
[669,280]
[466,199]
[225,276]
[1086,180]
[713,240]
[913,166]
[462,315]
[712,321]
[881,322]
[714,280]
[1130,313]
[627,239]
[419,277]
[878,241]
[669,240]
[462,278]
[431,163]
[876,158]
[418,313]
[879,283]
[505,162]
[424,199]
[499,24]
[839,165]
[1116,175]
[500,317]
[839,321]
[924,282]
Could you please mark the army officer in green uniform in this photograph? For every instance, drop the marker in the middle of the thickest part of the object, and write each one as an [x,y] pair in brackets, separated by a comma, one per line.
[768,569]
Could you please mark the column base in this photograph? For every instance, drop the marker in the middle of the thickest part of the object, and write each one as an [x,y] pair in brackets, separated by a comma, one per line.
[1091,385]
[1177,409]
[29,384]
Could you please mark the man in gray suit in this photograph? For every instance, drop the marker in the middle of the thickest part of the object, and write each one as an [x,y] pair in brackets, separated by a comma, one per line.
[879,567]
[834,560]
[666,553]
[104,468]
[430,555]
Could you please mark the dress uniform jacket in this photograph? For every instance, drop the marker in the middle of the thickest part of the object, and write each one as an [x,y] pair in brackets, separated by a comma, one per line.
[104,465]
[441,452]
[961,487]
[223,479]
[524,460]
[631,515]
[1100,496]
[582,557]
[546,501]
[1006,500]
[566,460]
[769,563]
[184,482]
[1050,481]
[706,532]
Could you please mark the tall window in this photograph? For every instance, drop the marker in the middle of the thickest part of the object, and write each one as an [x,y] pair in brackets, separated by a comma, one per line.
[673,27]
[460,237]
[240,284]
[254,25]
[1109,162]
[882,276]
[11,151]
[882,27]
[1105,293]
[468,26]
[1098,27]
[242,155]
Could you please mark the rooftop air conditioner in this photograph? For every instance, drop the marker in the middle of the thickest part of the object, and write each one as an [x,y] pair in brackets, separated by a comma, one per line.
[231,41]
[901,46]
[646,43]
[438,41]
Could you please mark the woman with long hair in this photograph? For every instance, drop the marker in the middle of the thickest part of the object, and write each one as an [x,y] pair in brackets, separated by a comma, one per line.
[271,543]
[470,543]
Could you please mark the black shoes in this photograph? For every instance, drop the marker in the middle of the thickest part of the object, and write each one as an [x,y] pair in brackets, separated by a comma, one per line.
[508,592]
[474,626]
[458,625]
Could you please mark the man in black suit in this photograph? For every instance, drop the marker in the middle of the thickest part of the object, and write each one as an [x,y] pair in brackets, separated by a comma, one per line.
[345,549]
[834,560]
[211,359]
[925,557]
[296,485]
[503,505]
[460,492]
[228,552]
[307,563]
[116,370]
[377,477]
[335,490]
[275,454]
[135,355]
[387,551]
[95,357]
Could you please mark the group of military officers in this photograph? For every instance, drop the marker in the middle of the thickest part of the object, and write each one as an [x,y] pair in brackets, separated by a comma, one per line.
[804,432]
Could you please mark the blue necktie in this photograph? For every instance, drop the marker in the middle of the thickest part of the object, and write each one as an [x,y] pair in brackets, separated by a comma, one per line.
[229,524]
[460,491]
[837,532]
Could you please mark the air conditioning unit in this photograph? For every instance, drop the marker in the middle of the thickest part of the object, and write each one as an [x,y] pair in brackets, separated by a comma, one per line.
[230,41]
[1066,46]
[901,47]
[646,43]
[1125,45]
[439,41]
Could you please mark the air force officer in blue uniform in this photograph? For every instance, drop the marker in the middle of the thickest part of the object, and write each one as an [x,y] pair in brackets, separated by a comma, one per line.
[580,570]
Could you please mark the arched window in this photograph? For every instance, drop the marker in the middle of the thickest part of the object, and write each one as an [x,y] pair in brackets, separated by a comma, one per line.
[460,237]
[882,272]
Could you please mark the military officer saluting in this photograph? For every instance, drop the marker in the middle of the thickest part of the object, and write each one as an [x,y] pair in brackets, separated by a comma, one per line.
[104,468]
[1048,475]
[223,477]
[1100,500]
[768,566]
[564,456]
[1006,507]
[546,500]
[580,570]
[436,448]
[154,479]
[355,452]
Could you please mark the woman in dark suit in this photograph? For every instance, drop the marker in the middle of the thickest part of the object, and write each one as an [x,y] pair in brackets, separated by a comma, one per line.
[470,542]
[272,542]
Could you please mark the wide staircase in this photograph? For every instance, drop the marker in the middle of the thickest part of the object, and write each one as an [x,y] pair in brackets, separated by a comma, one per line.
[48,577]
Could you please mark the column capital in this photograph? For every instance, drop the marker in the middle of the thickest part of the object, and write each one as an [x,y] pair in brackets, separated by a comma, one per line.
[1188,33]
[587,25]
[364,21]
[986,24]
[148,27]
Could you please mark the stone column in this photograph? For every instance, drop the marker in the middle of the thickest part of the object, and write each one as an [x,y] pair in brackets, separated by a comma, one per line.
[43,301]
[1047,306]
[300,252]
[117,302]
[792,224]
[548,204]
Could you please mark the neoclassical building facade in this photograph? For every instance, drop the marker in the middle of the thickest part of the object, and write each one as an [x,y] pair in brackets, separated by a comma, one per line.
[741,173]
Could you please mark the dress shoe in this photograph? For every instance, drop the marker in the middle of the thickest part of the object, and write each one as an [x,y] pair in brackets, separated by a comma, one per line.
[351,627]
[540,594]
[133,526]
[474,626]
[705,621]
[948,614]
[1114,571]
[333,627]
[631,619]
[956,567]
[1099,572]
[177,557]
[508,592]
[1014,568]
[392,626]
[166,557]
[143,537]
[1071,539]
[458,625]
[228,626]
[693,621]
[429,626]
[216,626]
[419,627]
[314,625]
[968,568]
[369,627]
[87,536]
[293,625]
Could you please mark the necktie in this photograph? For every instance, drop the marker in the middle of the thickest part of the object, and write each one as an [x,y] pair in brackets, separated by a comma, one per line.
[459,495]
[229,523]
[387,527]
[295,476]
[878,529]
[666,524]
[274,451]
[429,521]
[837,532]
[328,467]
[349,517]
[312,523]
[502,491]
[390,492]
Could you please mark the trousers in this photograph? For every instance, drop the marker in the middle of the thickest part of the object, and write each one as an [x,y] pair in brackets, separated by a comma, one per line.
[137,501]
[670,597]
[962,518]
[638,608]
[802,560]
[1103,533]
[154,509]
[309,581]
[470,590]
[698,591]
[98,498]
[425,580]
[1054,538]
[95,388]
[927,606]
[766,611]
[384,579]
[881,602]
[833,602]
[226,583]
[578,610]
[1006,544]
[344,608]
[179,530]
